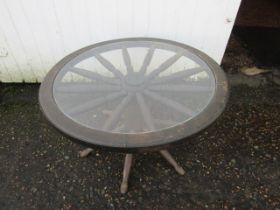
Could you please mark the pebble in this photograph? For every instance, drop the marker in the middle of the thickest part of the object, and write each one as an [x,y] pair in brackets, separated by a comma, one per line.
[33,189]
[256,147]
[268,155]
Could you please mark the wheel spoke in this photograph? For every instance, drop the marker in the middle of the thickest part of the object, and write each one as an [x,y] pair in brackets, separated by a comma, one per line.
[180,74]
[170,103]
[164,66]
[84,87]
[93,75]
[108,65]
[113,119]
[147,60]
[145,111]
[94,103]
[181,88]
[127,60]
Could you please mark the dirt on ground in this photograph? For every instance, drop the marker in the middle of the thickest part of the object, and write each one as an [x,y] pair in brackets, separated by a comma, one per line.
[234,164]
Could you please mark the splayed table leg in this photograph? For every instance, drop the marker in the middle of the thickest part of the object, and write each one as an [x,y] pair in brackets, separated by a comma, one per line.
[172,161]
[85,152]
[126,171]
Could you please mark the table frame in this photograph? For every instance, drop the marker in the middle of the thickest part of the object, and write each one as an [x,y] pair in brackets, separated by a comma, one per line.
[134,142]
[129,143]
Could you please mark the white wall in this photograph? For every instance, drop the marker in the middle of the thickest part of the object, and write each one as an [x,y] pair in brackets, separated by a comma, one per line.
[35,34]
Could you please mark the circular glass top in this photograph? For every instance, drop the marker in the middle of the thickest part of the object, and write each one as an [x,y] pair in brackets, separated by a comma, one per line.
[133,87]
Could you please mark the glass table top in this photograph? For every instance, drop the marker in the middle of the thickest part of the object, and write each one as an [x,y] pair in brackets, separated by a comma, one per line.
[133,87]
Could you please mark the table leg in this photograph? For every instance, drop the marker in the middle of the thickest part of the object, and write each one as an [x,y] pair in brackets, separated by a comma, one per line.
[172,161]
[126,171]
[85,152]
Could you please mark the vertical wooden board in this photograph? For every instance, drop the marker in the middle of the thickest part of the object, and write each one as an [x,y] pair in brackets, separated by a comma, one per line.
[20,70]
[28,41]
[4,74]
[125,18]
[225,23]
[38,32]
[28,45]
[65,21]
[185,21]
[156,22]
[141,17]
[78,18]
[171,23]
[198,30]
[51,28]
[94,20]
[7,59]
[109,20]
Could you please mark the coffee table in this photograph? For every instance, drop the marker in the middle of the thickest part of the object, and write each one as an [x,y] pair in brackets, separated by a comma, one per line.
[132,95]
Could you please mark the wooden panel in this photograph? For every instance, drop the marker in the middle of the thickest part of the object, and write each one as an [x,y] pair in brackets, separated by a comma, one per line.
[34,35]
[259,13]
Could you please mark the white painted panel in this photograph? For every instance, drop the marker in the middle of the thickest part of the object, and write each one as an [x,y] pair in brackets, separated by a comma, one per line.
[36,34]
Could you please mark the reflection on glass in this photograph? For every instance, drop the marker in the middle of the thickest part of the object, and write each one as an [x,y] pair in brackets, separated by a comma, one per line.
[134,87]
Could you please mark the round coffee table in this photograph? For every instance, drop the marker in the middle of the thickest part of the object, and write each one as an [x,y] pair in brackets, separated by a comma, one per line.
[134,94]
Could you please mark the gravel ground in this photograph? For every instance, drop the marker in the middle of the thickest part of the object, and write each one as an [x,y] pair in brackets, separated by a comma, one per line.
[236,56]
[234,164]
